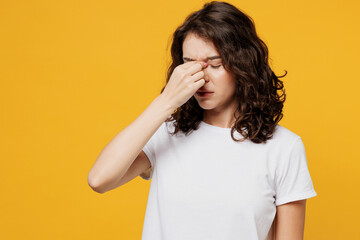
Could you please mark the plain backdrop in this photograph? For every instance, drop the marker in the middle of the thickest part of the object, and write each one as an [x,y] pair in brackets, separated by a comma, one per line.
[75,73]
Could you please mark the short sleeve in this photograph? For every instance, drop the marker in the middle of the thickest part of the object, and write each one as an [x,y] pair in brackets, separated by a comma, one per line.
[149,149]
[293,180]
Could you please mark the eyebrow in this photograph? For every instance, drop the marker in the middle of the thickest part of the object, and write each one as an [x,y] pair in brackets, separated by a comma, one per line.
[208,58]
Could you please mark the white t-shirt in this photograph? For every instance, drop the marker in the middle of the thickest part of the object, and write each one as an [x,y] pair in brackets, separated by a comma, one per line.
[207,186]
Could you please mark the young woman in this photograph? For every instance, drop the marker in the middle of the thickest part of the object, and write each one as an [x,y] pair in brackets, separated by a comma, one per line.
[221,165]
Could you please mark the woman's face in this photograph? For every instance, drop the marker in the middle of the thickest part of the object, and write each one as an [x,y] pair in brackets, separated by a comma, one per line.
[217,80]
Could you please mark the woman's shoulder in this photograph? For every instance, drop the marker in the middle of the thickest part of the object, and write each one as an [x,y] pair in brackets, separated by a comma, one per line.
[284,136]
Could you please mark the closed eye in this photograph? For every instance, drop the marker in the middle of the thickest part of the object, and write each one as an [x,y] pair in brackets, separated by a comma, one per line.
[215,66]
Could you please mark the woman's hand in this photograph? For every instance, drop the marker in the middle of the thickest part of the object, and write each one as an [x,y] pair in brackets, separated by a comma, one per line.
[185,80]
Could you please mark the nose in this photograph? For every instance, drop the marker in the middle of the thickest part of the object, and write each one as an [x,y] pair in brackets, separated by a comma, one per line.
[206,78]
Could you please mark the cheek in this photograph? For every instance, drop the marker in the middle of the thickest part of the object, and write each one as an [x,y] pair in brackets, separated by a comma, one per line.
[226,86]
[223,80]
[218,73]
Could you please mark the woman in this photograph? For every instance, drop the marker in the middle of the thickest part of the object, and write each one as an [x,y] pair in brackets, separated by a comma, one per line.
[221,165]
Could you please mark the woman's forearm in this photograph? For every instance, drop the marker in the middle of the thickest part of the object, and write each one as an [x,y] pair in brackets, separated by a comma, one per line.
[118,155]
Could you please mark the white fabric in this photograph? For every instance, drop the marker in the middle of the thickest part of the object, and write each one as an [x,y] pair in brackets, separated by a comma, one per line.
[207,186]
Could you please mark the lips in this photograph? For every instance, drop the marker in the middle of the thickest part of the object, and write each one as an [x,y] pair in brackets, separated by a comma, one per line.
[204,92]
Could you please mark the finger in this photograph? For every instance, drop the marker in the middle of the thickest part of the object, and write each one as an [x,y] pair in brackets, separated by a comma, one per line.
[188,65]
[198,84]
[197,76]
[196,68]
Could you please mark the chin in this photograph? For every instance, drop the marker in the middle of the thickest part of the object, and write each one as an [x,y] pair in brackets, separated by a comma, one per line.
[205,105]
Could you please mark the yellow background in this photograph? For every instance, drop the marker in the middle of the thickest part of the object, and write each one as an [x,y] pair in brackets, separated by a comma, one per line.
[75,73]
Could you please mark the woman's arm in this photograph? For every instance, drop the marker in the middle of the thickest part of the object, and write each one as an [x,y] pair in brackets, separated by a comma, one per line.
[119,154]
[290,220]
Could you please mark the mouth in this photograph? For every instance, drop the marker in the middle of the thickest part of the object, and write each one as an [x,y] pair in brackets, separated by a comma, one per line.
[204,94]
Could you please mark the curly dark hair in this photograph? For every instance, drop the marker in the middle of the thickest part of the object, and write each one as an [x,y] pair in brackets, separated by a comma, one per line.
[244,55]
